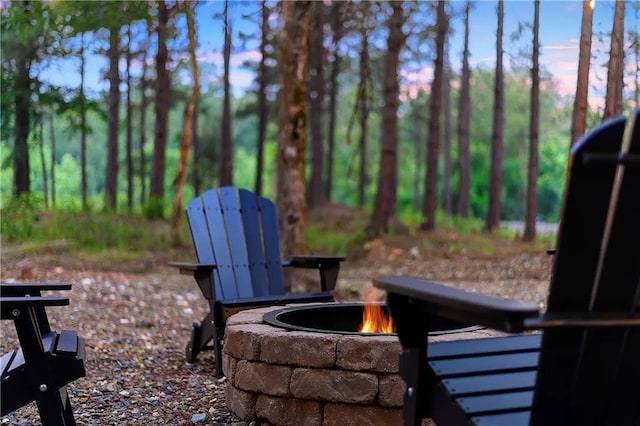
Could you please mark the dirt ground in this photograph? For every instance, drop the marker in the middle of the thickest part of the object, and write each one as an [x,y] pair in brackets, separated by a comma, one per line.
[135,318]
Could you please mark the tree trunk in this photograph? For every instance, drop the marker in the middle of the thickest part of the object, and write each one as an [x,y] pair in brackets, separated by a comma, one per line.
[635,42]
[83,130]
[316,98]
[52,166]
[262,95]
[113,75]
[532,175]
[129,125]
[433,144]
[613,99]
[365,79]
[464,121]
[293,52]
[337,29]
[162,86]
[144,99]
[196,181]
[22,111]
[226,147]
[580,104]
[417,116]
[446,147]
[495,184]
[43,162]
[384,205]
[187,127]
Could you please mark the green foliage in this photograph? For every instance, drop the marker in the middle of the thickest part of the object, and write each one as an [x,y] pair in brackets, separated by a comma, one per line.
[26,223]
[19,216]
[154,208]
[327,241]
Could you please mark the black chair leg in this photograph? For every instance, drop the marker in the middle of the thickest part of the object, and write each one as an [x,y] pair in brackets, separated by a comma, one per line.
[193,347]
[218,340]
[68,411]
[54,410]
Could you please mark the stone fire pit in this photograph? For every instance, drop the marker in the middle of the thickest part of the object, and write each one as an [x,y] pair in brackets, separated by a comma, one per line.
[312,378]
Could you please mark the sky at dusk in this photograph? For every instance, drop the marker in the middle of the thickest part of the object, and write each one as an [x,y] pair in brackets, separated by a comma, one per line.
[559,38]
[559,33]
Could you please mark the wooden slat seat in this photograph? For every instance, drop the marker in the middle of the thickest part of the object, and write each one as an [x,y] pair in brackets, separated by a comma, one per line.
[583,368]
[46,361]
[235,236]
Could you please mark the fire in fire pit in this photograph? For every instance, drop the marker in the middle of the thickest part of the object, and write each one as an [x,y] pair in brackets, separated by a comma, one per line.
[347,318]
[375,320]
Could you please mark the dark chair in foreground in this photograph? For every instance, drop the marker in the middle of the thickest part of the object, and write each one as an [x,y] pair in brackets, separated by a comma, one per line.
[46,361]
[235,235]
[584,368]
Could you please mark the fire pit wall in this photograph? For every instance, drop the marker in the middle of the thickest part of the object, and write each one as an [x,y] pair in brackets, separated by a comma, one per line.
[306,378]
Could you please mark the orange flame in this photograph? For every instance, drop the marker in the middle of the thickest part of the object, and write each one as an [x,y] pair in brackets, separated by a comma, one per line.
[374,319]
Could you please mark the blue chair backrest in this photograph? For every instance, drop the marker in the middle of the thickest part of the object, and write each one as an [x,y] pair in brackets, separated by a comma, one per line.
[238,231]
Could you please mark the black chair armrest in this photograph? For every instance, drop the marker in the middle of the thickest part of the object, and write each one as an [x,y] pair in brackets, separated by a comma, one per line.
[471,308]
[313,261]
[189,268]
[11,303]
[328,266]
[33,288]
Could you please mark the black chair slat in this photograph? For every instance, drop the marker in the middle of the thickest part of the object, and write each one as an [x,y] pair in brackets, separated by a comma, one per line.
[67,342]
[484,364]
[31,288]
[496,403]
[623,400]
[478,385]
[575,268]
[6,362]
[580,235]
[487,346]
[509,419]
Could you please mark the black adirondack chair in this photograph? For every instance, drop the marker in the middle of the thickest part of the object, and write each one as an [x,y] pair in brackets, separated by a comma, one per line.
[46,361]
[584,367]
[235,235]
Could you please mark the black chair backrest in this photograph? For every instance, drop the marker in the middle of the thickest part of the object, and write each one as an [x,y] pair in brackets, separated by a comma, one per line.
[238,231]
[589,374]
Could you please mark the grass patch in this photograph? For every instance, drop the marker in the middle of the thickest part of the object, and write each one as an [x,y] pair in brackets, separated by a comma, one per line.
[95,231]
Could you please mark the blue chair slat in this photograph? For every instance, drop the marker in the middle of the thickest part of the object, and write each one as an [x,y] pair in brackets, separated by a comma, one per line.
[218,233]
[253,236]
[272,246]
[202,240]
[235,237]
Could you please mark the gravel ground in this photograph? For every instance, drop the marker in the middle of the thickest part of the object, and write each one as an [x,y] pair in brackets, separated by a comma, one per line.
[136,325]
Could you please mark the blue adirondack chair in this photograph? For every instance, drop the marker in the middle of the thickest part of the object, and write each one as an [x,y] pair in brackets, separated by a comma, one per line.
[584,367]
[235,235]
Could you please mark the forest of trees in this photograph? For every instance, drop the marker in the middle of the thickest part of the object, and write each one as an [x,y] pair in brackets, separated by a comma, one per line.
[328,117]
